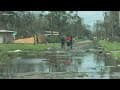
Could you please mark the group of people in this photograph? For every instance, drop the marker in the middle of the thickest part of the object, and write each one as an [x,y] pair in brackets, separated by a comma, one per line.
[66,41]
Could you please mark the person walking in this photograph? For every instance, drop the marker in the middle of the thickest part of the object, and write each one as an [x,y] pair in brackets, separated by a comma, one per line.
[71,42]
[63,42]
[68,38]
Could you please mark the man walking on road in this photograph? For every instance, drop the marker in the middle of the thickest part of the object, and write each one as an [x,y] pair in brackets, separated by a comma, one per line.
[63,42]
[71,42]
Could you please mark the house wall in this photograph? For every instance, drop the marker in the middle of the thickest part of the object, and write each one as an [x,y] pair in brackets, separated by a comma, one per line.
[6,38]
[1,38]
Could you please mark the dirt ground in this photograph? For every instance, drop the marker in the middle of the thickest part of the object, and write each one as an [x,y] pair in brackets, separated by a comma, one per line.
[25,40]
[31,40]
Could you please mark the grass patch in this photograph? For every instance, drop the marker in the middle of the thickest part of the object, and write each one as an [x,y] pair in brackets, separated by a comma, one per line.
[34,49]
[111,46]
[3,55]
[116,54]
[30,47]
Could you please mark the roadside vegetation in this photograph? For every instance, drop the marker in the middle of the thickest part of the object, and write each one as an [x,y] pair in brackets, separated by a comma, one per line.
[30,47]
[112,47]
[33,50]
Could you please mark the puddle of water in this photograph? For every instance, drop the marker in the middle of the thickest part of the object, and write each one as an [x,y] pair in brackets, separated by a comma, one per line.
[76,61]
[29,61]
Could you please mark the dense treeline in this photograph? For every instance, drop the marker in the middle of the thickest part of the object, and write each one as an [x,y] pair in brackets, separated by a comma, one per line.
[27,23]
[108,29]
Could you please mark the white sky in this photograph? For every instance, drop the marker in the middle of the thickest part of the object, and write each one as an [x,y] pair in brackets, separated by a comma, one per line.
[90,17]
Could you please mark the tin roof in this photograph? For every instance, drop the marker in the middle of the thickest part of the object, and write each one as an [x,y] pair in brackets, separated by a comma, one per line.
[4,31]
[52,32]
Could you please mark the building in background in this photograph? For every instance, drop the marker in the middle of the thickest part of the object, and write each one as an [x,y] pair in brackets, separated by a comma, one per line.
[6,36]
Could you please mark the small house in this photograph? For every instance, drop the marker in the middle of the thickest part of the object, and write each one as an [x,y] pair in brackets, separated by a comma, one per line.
[7,36]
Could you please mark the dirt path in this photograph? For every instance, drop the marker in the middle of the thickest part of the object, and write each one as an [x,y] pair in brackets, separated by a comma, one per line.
[84,42]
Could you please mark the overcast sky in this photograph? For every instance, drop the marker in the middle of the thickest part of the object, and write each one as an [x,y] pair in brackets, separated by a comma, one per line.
[90,17]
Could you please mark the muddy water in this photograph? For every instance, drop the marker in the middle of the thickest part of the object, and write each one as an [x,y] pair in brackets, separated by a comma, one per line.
[78,60]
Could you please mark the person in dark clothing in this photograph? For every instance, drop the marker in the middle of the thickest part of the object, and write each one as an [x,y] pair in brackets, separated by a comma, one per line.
[63,42]
[71,42]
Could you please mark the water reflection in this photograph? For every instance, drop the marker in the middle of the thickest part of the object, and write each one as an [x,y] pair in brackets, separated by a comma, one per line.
[95,65]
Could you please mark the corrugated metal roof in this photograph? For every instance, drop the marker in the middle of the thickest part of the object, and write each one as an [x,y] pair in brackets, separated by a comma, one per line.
[52,32]
[6,31]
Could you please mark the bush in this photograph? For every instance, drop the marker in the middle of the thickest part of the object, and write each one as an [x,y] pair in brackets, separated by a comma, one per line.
[111,46]
[3,55]
[53,39]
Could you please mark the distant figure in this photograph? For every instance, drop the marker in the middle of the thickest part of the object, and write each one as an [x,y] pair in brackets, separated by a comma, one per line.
[63,42]
[37,39]
[68,41]
[71,42]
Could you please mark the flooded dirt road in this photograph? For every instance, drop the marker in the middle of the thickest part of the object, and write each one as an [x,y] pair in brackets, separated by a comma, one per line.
[82,62]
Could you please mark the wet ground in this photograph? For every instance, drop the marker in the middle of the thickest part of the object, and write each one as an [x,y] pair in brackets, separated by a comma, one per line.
[82,62]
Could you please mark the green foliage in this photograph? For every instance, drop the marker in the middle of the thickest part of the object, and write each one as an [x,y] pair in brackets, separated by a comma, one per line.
[32,50]
[27,24]
[53,39]
[109,28]
[3,54]
[29,47]
[111,46]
